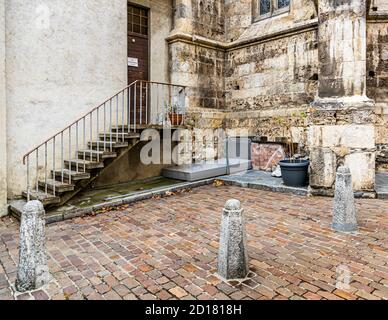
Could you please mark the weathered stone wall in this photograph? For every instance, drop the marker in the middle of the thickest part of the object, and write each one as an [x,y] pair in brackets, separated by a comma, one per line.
[256,69]
[209,18]
[238,18]
[3,115]
[202,69]
[377,85]
[275,74]
[271,79]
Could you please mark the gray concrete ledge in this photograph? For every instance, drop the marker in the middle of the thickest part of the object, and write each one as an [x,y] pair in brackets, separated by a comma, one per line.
[262,181]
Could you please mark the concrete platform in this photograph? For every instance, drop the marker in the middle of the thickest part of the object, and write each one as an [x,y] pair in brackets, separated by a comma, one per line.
[206,170]
[261,180]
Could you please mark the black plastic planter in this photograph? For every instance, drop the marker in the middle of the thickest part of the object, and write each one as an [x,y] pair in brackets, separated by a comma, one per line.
[294,172]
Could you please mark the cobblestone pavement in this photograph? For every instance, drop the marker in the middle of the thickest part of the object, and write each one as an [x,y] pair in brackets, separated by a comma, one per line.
[166,248]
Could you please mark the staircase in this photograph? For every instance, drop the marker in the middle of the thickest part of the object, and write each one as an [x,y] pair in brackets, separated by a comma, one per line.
[71,160]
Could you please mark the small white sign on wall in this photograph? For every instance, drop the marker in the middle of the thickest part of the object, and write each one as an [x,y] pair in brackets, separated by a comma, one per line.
[133,62]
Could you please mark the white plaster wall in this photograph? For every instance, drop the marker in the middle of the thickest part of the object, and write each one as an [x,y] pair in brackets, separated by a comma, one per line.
[63,58]
[3,132]
[160,15]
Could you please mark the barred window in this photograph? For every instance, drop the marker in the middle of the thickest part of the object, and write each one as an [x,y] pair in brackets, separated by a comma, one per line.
[269,8]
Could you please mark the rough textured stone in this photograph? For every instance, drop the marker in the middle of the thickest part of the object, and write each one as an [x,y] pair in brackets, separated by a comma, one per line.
[232,256]
[298,225]
[33,270]
[344,212]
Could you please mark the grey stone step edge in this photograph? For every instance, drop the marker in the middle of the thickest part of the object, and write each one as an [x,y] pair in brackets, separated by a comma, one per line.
[264,187]
[118,201]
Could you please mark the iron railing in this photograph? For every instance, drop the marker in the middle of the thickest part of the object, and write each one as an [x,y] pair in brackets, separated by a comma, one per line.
[139,104]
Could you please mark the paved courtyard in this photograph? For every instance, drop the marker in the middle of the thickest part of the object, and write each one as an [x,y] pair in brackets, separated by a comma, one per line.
[166,248]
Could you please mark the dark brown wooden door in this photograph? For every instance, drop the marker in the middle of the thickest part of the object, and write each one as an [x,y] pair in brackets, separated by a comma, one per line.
[138,55]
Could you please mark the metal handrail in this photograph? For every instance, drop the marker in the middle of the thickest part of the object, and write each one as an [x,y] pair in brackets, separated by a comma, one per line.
[94,109]
[134,98]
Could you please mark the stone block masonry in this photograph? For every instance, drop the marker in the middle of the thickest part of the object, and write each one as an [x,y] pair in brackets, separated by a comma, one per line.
[324,58]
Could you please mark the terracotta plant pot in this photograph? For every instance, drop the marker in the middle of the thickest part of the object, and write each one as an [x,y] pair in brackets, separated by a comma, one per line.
[176,119]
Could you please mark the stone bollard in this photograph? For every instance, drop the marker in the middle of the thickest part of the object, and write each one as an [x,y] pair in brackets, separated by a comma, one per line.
[232,256]
[344,213]
[33,271]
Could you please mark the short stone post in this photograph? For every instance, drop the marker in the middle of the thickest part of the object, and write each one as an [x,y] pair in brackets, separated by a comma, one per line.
[233,256]
[33,271]
[344,213]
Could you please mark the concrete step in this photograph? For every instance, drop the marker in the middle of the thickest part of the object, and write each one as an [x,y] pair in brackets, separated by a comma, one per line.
[83,164]
[100,145]
[16,207]
[59,186]
[46,199]
[118,138]
[96,155]
[75,176]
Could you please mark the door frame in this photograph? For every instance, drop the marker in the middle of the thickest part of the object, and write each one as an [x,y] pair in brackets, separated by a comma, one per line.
[134,4]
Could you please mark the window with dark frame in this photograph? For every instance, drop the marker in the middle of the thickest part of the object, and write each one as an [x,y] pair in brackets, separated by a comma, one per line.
[137,20]
[269,8]
[265,7]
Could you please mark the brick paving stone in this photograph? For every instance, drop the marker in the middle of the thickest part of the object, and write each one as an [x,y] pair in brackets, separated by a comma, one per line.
[24,296]
[112,295]
[121,290]
[269,293]
[309,287]
[178,292]
[70,290]
[40,295]
[167,248]
[132,297]
[344,294]
[148,296]
[103,288]
[163,295]
[381,294]
[312,296]
[366,295]
[284,292]
[204,296]
[329,296]
[194,290]
[209,289]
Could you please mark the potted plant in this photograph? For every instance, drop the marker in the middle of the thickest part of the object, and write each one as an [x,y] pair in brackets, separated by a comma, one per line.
[175,114]
[294,170]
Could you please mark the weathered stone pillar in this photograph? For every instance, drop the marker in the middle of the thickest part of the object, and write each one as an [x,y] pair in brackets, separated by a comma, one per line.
[344,212]
[233,256]
[341,118]
[32,271]
[182,16]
